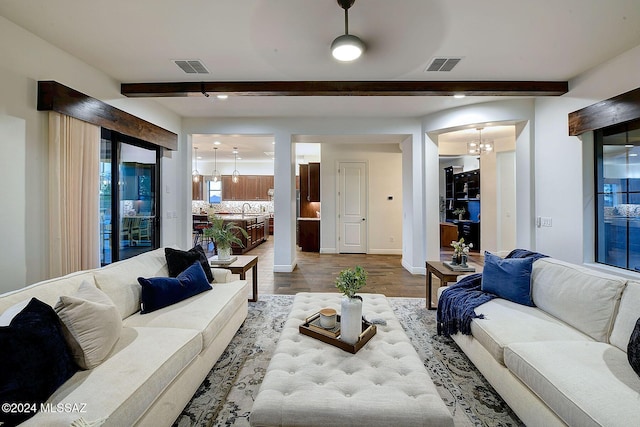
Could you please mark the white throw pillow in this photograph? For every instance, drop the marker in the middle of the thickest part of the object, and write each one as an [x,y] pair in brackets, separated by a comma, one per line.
[92,324]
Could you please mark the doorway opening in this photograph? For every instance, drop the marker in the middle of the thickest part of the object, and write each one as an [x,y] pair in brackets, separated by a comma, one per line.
[477,190]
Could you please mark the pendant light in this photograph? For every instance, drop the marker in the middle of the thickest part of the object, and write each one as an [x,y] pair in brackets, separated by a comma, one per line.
[215,175]
[347,47]
[195,174]
[235,176]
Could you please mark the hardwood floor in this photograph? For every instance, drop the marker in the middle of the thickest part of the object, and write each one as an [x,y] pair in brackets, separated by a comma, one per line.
[317,273]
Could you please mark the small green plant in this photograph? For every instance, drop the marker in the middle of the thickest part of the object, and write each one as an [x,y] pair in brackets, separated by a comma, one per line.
[459,211]
[224,234]
[349,281]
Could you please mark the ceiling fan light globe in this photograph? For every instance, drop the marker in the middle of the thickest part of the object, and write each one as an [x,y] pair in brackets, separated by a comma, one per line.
[347,48]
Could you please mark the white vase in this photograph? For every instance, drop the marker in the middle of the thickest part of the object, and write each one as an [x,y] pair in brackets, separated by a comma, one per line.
[224,253]
[350,319]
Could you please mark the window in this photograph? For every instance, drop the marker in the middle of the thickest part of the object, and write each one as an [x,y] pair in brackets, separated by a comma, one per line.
[215,191]
[618,196]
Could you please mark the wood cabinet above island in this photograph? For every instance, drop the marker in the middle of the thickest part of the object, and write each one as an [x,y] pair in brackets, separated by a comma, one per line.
[248,188]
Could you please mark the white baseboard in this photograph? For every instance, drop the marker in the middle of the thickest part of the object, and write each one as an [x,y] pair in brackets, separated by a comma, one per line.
[414,270]
[328,251]
[385,251]
[284,268]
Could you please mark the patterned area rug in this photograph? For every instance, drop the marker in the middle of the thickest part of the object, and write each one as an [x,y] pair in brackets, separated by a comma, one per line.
[226,396]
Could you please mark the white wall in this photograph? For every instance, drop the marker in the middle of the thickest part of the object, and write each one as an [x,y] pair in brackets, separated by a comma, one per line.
[25,60]
[563,185]
[384,217]
[13,263]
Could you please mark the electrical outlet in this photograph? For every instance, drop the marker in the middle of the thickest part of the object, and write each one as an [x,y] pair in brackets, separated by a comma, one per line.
[545,221]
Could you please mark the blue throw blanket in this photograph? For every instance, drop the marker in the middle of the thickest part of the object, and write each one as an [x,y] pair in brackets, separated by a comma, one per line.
[457,304]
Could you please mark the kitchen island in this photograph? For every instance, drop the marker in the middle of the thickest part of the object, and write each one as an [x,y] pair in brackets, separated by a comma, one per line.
[256,226]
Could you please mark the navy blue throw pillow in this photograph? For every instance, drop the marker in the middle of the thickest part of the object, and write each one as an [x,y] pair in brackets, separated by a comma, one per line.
[633,348]
[35,359]
[178,261]
[508,278]
[159,292]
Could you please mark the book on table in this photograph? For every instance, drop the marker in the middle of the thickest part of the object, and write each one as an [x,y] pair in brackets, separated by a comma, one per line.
[458,267]
[214,261]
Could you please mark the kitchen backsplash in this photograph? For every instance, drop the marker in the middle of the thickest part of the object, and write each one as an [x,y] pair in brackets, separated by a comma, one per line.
[198,206]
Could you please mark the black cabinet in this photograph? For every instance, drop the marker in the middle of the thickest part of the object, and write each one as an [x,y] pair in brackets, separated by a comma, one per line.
[462,199]
[470,232]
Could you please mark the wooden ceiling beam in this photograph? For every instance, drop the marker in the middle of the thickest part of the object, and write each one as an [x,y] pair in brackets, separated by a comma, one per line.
[53,96]
[610,112]
[347,88]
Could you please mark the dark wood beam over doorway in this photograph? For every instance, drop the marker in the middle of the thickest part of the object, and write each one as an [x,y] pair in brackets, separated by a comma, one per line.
[613,111]
[53,96]
[347,88]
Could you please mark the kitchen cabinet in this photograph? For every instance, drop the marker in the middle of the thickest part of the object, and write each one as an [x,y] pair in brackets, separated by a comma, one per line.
[314,182]
[233,190]
[248,188]
[310,182]
[196,189]
[309,234]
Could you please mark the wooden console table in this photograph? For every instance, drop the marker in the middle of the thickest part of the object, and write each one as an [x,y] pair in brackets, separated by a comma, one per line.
[443,273]
[241,266]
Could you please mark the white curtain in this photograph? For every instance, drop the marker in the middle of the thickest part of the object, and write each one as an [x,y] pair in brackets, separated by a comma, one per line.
[74,204]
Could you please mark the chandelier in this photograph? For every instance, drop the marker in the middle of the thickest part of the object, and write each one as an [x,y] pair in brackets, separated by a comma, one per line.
[480,146]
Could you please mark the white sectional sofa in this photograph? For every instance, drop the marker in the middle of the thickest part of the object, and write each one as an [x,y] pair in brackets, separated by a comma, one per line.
[160,358]
[564,361]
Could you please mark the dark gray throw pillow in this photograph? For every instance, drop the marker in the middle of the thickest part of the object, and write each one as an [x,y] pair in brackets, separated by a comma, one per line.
[178,261]
[633,348]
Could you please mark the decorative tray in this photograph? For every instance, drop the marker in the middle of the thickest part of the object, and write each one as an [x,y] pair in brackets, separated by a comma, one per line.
[214,261]
[312,328]
[457,267]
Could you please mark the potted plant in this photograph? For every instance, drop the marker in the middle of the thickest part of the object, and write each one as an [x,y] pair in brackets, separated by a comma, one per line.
[460,252]
[349,281]
[224,235]
[460,212]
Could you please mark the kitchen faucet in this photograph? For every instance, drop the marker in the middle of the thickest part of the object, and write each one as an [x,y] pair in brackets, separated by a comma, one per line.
[245,203]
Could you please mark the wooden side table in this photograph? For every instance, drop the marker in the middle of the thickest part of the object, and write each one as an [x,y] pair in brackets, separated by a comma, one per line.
[241,266]
[443,273]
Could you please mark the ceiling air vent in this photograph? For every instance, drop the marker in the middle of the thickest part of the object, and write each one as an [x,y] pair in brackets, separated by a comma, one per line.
[191,66]
[443,64]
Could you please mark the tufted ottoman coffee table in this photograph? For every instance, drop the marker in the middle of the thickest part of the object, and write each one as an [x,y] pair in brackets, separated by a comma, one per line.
[311,383]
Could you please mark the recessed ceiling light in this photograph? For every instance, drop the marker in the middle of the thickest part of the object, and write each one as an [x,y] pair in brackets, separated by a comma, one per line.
[274,143]
[222,96]
[633,155]
[629,146]
[216,142]
[459,95]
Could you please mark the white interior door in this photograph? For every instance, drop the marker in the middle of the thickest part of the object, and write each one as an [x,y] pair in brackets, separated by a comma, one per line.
[352,212]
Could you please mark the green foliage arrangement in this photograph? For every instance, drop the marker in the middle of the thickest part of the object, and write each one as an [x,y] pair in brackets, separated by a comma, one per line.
[224,235]
[349,281]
